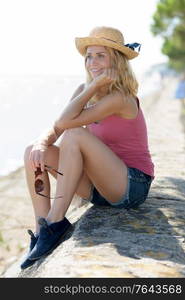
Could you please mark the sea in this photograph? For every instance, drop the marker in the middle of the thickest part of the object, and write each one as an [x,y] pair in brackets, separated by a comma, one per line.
[29,104]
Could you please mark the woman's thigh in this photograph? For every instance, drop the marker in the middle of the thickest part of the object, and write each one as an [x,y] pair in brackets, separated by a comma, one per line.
[104,168]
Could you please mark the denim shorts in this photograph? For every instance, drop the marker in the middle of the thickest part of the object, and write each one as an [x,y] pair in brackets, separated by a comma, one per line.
[136,193]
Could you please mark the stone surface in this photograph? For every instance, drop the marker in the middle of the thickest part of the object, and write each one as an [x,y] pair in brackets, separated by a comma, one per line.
[145,242]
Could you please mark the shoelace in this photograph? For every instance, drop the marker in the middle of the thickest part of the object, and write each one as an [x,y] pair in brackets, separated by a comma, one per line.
[30,232]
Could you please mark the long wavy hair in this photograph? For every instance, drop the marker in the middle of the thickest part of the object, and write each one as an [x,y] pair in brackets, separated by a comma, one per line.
[126,81]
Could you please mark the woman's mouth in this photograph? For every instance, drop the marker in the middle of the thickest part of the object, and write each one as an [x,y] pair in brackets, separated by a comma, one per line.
[95,70]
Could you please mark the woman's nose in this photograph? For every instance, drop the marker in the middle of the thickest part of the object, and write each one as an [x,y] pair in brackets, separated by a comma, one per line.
[93,61]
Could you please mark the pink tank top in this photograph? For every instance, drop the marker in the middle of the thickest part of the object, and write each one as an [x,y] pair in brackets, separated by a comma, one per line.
[127,138]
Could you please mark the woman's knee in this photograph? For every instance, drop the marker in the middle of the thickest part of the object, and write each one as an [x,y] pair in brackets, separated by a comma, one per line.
[72,135]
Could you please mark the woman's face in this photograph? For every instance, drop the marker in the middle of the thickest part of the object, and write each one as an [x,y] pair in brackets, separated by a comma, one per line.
[97,59]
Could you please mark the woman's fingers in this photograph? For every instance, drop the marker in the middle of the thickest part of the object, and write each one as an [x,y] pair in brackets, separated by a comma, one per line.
[107,77]
[32,161]
[37,159]
[42,160]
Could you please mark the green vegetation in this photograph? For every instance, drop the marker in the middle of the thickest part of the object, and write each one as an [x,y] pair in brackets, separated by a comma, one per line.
[169,22]
[1,238]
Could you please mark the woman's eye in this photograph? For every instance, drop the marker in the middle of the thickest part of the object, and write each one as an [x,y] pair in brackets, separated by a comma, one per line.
[87,57]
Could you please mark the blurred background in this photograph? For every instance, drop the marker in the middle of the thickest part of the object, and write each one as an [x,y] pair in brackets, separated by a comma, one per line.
[40,67]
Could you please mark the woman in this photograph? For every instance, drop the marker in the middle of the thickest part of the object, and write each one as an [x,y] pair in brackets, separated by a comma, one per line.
[103,154]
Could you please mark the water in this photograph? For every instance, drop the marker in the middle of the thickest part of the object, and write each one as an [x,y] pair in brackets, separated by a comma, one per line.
[30,104]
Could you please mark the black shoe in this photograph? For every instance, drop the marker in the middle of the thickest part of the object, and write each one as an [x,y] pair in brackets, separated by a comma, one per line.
[50,237]
[33,239]
[26,263]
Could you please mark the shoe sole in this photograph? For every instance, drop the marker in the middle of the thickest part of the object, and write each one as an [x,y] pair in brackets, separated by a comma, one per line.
[31,262]
[58,243]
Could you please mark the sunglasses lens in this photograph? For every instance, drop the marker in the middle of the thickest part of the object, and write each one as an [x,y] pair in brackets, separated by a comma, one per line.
[39,186]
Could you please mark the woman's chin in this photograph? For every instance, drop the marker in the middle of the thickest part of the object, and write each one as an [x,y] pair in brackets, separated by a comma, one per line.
[95,74]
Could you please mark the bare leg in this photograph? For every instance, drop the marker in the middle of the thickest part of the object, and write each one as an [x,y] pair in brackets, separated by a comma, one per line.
[71,165]
[81,151]
[42,205]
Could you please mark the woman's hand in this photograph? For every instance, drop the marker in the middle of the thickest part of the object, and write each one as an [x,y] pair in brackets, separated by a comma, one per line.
[37,156]
[106,78]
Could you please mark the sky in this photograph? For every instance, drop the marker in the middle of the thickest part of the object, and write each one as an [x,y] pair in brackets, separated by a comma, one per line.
[37,36]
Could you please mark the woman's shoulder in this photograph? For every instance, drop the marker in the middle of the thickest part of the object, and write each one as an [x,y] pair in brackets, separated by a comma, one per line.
[130,107]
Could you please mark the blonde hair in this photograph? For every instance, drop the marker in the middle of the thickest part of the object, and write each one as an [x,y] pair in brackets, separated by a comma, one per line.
[126,81]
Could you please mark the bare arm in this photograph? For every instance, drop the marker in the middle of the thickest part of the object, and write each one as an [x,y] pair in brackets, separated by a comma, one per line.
[52,134]
[75,108]
[76,114]
[110,104]
[37,154]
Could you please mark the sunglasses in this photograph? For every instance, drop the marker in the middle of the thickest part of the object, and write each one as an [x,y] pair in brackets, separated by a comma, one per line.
[39,184]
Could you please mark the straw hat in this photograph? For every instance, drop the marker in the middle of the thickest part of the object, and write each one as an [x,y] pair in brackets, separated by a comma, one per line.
[107,36]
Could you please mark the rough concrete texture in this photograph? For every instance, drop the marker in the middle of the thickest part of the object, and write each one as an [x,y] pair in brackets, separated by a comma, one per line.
[145,242]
